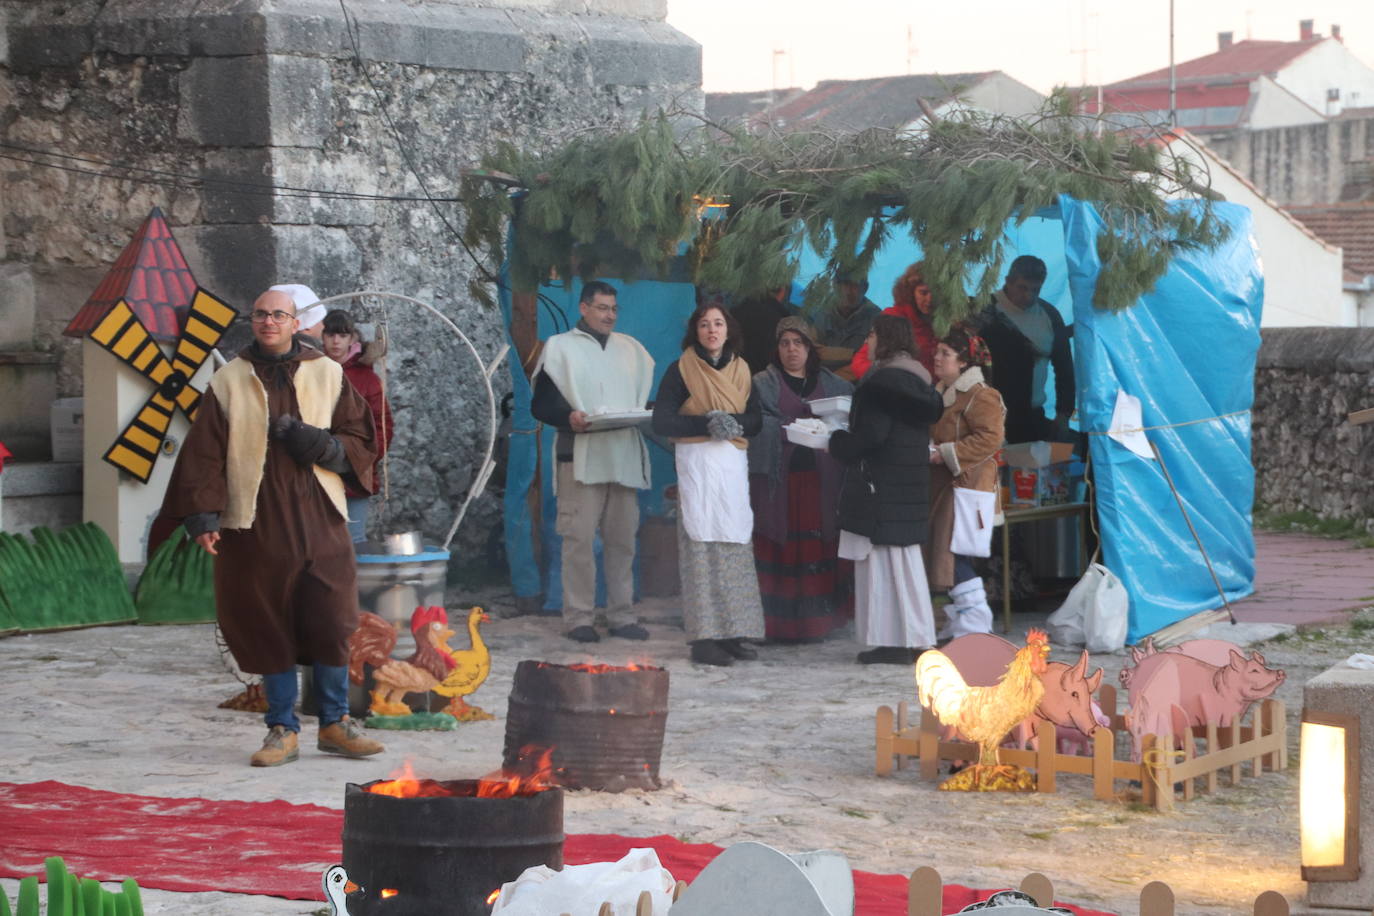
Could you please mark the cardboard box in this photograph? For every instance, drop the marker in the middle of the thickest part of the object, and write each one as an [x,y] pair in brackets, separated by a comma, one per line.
[68,425]
[1050,485]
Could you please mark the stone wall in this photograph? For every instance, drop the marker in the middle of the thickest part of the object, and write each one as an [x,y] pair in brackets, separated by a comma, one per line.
[269,91]
[1310,164]
[1307,458]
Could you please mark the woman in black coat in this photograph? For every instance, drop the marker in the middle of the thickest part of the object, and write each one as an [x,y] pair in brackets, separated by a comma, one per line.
[884,507]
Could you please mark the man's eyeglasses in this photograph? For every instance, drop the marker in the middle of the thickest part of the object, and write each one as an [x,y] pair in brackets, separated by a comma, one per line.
[606,309]
[277,317]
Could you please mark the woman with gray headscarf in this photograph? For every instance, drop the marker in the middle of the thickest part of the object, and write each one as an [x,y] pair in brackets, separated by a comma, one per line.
[795,490]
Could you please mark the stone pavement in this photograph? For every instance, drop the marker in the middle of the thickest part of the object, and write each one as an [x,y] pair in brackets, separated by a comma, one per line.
[1301,579]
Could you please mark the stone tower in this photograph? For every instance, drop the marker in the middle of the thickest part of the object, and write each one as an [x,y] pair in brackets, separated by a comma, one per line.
[376,98]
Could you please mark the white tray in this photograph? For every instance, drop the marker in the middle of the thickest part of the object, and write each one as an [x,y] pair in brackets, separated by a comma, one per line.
[618,419]
[799,436]
[823,407]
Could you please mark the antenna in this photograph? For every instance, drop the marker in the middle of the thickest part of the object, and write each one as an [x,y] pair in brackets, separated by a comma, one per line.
[773,95]
[910,49]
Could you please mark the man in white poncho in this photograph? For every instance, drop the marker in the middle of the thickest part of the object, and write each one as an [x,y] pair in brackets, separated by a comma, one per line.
[584,374]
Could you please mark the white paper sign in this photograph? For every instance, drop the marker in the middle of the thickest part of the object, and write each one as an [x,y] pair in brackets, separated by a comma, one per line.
[1127,423]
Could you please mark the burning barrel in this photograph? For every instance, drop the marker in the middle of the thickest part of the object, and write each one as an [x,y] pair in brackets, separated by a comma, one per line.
[604,723]
[442,848]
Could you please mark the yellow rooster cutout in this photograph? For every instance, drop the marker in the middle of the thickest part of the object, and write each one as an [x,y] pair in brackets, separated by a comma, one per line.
[985,715]
[434,666]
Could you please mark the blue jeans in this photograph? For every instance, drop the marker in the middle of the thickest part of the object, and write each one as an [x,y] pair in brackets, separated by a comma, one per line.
[331,693]
[357,518]
[963,569]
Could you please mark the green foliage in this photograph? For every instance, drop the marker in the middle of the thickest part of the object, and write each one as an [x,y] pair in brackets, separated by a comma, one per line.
[1304,522]
[621,202]
[178,584]
[71,579]
[68,895]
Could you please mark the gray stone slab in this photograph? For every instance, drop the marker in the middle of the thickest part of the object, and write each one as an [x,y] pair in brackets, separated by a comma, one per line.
[233,203]
[629,53]
[237,262]
[225,102]
[42,478]
[1341,349]
[300,94]
[322,257]
[16,306]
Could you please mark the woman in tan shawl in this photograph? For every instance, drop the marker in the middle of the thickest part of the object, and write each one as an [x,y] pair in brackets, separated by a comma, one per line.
[706,405]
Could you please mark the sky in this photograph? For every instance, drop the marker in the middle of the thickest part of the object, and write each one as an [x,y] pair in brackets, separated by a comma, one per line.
[1044,44]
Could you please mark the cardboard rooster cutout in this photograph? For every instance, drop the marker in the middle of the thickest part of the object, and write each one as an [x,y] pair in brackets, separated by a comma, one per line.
[985,715]
[149,297]
[434,667]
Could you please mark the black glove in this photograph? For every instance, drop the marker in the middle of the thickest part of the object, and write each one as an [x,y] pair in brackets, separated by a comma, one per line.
[200,523]
[305,444]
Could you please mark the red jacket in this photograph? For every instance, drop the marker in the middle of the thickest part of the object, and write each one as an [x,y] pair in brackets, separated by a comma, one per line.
[362,378]
[921,329]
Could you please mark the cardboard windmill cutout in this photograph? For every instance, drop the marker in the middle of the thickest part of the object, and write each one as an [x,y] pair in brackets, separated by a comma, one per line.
[149,297]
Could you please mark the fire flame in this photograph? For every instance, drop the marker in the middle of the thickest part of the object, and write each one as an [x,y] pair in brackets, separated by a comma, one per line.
[602,668]
[404,784]
[389,892]
[491,898]
[505,784]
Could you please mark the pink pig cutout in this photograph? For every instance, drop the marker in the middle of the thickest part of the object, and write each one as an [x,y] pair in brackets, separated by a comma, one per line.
[1196,683]
[982,659]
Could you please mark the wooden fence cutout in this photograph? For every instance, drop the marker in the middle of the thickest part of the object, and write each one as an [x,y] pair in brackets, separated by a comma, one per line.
[1262,744]
[925,896]
[644,906]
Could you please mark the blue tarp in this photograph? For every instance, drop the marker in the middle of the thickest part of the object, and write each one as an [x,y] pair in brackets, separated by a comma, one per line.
[1187,350]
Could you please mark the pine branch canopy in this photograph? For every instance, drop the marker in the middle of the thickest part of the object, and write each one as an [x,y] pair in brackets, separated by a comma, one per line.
[622,202]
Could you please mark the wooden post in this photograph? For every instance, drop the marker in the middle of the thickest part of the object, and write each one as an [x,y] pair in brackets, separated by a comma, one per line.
[1235,740]
[883,741]
[1281,720]
[1045,750]
[1360,416]
[903,721]
[1212,748]
[645,906]
[1104,759]
[1038,887]
[929,743]
[1271,903]
[924,893]
[1156,899]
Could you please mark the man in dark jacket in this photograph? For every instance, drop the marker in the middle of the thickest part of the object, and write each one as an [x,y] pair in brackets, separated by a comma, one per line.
[1026,336]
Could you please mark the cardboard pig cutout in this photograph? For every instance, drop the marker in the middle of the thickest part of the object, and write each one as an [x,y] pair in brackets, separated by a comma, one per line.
[1196,683]
[1068,701]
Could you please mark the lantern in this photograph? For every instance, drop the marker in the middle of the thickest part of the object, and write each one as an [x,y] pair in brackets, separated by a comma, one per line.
[1333,755]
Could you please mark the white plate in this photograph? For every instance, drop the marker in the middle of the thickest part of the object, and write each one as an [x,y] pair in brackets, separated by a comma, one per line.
[618,419]
[822,407]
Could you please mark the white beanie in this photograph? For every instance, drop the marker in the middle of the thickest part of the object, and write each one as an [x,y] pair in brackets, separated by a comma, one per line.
[309,311]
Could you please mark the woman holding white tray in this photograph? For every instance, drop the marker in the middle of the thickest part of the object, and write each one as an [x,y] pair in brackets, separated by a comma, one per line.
[883,502]
[706,404]
[807,589]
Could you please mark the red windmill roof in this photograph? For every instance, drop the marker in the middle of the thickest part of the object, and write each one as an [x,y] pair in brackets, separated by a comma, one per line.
[151,275]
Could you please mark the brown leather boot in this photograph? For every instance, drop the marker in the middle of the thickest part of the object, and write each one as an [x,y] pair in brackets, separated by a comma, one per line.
[280,747]
[346,737]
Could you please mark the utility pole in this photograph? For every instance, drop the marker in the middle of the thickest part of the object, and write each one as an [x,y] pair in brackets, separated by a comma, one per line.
[910,49]
[1173,75]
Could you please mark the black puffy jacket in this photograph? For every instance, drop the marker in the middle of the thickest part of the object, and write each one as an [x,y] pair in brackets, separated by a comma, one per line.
[886,453]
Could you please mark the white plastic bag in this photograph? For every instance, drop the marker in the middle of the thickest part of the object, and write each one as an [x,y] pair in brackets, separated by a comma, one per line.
[974,511]
[581,889]
[1094,614]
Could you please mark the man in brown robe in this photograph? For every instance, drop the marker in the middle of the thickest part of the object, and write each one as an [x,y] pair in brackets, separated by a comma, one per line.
[258,485]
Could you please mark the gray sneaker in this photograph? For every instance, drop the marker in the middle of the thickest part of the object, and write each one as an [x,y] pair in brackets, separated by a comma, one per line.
[279,747]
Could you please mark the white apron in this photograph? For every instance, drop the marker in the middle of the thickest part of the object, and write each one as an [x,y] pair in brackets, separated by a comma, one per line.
[713,492]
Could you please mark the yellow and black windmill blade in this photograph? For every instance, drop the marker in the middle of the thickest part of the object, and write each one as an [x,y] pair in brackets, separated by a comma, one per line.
[120,332]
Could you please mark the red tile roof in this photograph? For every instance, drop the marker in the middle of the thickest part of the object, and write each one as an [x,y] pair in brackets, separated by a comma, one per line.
[1246,59]
[890,101]
[151,275]
[1349,225]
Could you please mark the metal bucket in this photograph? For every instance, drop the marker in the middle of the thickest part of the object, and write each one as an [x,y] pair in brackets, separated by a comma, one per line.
[445,855]
[605,727]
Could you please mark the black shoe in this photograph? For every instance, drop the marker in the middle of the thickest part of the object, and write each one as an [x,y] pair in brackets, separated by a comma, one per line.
[889,655]
[739,649]
[630,631]
[709,652]
[583,633]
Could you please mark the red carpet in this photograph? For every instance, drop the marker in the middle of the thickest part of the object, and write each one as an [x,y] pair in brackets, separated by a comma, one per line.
[280,849]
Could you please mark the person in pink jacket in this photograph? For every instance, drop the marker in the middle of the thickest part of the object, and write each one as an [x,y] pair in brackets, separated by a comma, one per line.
[344,344]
